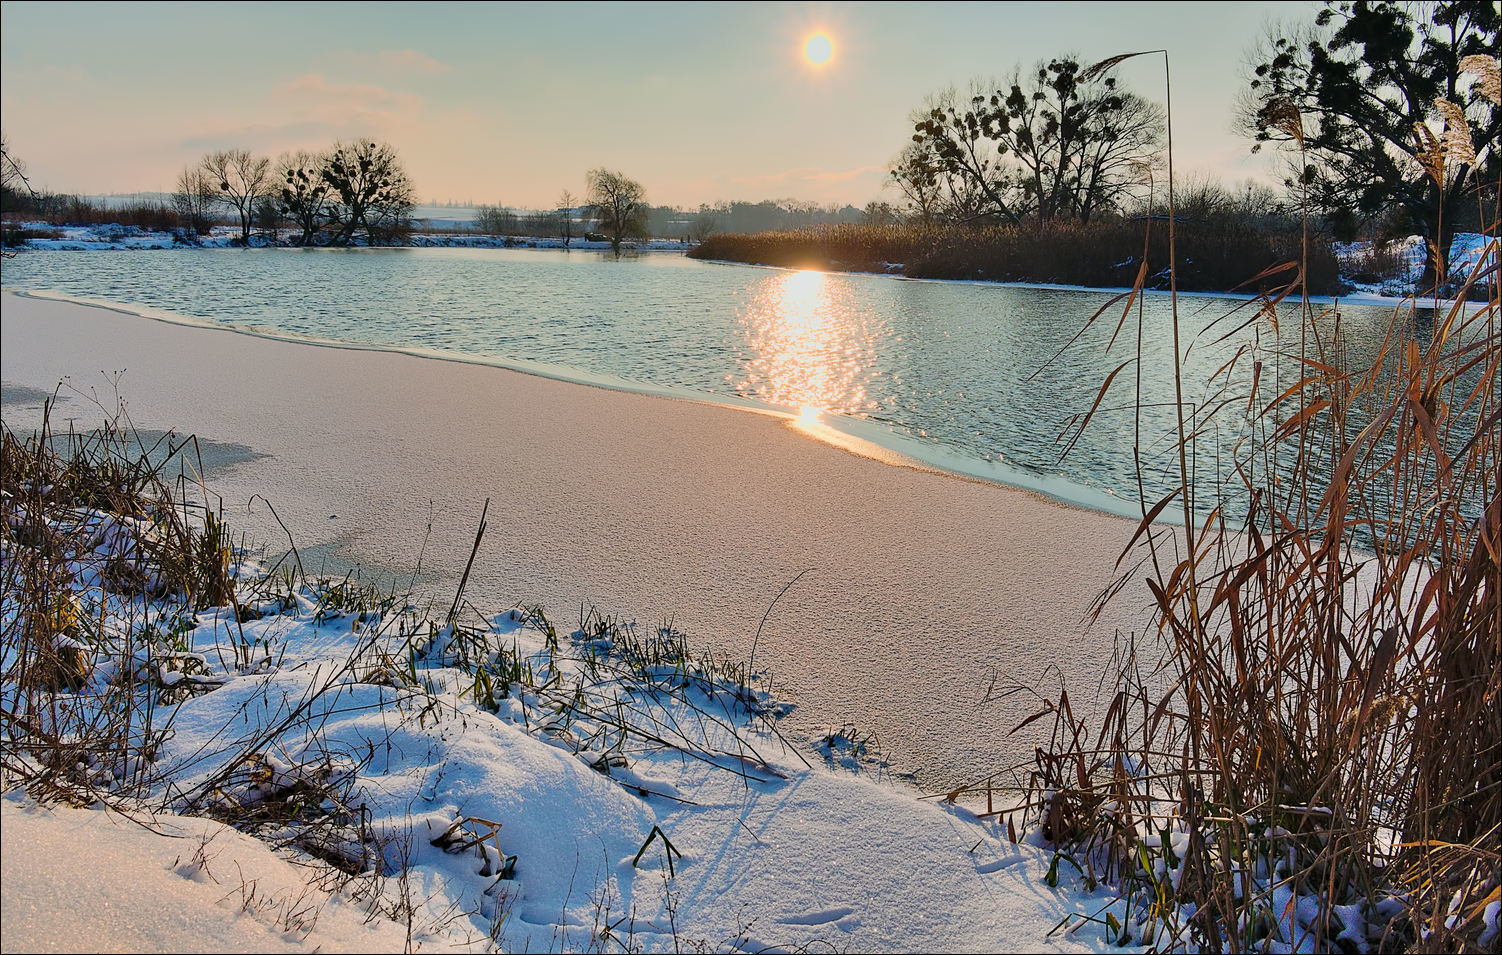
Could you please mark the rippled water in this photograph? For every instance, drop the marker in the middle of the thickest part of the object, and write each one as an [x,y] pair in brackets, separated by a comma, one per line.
[963,376]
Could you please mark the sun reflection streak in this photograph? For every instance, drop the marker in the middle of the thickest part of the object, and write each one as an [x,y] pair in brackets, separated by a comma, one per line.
[809,347]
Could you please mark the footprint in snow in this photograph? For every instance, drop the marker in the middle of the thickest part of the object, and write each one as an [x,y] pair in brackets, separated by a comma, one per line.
[818,918]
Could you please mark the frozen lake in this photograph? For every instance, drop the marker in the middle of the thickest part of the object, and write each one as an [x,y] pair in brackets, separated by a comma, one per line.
[961,376]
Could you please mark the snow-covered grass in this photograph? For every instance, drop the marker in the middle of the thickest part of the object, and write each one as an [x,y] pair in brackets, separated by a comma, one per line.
[425,774]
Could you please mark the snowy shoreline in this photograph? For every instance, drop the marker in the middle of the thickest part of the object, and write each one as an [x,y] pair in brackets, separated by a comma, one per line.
[655,508]
[1468,254]
[780,856]
[803,857]
[114,238]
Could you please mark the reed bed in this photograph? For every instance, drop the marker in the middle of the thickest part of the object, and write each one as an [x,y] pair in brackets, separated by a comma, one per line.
[1217,252]
[146,213]
[1302,751]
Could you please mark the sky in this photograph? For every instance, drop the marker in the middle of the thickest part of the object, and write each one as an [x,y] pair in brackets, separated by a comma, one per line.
[513,103]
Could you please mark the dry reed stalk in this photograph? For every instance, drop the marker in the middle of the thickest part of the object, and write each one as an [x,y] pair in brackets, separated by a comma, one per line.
[81,511]
[1323,723]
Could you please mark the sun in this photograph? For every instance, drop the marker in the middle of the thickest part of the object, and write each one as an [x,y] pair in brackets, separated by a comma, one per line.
[818,49]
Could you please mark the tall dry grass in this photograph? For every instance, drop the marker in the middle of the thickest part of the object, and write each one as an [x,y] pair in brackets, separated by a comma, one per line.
[82,512]
[1303,751]
[1219,251]
[1325,706]
[148,213]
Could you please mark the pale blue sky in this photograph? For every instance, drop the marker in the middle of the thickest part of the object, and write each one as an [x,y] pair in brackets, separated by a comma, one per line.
[513,103]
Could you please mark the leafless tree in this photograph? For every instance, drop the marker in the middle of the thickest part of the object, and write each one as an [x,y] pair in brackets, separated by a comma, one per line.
[1060,142]
[15,188]
[918,175]
[370,191]
[706,223]
[877,212]
[13,179]
[566,205]
[620,205]
[1125,139]
[242,179]
[194,198]
[496,220]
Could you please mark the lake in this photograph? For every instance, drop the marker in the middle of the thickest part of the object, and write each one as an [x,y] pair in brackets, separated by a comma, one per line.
[970,378]
[920,593]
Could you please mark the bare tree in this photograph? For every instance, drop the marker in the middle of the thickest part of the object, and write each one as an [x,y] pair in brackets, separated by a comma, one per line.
[963,137]
[706,223]
[496,220]
[1126,134]
[269,218]
[243,180]
[370,191]
[880,213]
[918,175]
[304,195]
[620,204]
[566,205]
[13,181]
[15,188]
[194,198]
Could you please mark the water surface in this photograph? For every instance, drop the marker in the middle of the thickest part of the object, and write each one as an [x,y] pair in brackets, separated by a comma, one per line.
[972,378]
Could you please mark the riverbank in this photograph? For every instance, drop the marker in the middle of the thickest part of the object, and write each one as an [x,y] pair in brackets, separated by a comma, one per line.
[414,780]
[921,588]
[44,237]
[921,591]
[1215,256]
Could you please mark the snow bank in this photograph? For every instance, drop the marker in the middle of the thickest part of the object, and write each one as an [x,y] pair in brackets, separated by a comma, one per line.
[600,799]
[116,237]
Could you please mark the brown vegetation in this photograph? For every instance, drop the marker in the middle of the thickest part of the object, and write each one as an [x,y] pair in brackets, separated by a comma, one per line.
[151,215]
[1216,253]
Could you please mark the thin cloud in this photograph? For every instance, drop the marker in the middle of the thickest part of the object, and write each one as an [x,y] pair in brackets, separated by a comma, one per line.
[389,61]
[411,60]
[317,87]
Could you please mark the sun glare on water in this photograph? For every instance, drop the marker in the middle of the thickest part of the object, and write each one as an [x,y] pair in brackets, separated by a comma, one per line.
[819,49]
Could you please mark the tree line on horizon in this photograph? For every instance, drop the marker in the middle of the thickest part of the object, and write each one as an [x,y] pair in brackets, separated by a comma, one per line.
[362,189]
[291,194]
[1365,98]
[1368,98]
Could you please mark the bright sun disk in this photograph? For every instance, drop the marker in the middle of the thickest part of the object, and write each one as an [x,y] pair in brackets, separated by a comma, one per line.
[818,49]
